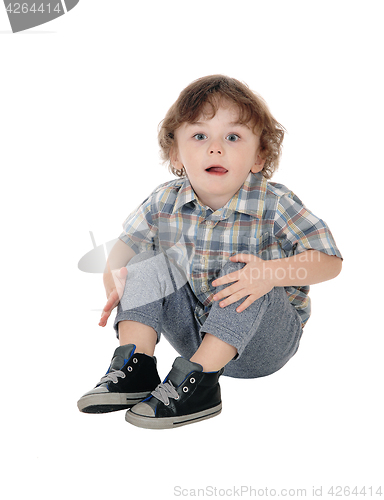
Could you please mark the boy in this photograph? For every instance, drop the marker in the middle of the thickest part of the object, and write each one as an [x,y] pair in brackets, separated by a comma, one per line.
[219,261]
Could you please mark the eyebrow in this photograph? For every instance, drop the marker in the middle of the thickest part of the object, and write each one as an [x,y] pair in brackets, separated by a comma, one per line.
[232,124]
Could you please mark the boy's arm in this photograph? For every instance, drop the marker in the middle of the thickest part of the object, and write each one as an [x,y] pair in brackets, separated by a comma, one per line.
[258,277]
[306,268]
[114,277]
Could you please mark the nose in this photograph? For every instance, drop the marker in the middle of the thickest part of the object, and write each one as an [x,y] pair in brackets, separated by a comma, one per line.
[215,147]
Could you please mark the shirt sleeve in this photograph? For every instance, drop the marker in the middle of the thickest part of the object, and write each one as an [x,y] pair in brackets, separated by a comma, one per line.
[297,229]
[139,231]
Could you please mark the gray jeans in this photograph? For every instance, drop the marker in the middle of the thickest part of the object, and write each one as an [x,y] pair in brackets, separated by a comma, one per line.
[266,334]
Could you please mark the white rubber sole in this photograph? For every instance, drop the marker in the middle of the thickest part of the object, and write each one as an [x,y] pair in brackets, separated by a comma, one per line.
[170,422]
[109,401]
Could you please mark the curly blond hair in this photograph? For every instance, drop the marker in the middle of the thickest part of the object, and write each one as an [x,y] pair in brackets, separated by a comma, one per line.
[204,96]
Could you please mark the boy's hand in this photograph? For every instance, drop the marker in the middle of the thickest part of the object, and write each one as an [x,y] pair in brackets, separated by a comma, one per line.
[114,295]
[251,280]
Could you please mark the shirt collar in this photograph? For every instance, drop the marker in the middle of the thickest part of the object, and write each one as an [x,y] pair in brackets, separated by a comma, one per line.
[185,195]
[249,199]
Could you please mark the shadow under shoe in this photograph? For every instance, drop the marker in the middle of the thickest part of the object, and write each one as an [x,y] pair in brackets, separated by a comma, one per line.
[130,378]
[188,395]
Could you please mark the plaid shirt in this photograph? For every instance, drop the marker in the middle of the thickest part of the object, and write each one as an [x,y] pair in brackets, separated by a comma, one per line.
[263,218]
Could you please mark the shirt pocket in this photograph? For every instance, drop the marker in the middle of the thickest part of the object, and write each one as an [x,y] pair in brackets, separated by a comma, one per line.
[261,247]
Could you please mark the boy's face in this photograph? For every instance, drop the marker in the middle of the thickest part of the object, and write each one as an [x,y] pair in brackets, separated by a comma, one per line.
[217,155]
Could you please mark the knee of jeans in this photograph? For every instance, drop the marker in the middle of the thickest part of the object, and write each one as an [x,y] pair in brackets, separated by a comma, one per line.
[140,257]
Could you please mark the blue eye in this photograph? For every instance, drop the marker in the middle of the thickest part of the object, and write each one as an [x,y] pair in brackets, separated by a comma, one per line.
[200,137]
[233,137]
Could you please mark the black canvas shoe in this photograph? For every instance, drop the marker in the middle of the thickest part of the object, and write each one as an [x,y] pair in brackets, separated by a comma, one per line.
[130,379]
[187,395]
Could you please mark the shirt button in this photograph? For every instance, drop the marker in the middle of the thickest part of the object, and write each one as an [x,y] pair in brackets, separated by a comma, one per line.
[203,260]
[204,288]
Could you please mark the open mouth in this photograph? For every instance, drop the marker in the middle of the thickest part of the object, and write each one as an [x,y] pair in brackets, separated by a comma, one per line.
[216,169]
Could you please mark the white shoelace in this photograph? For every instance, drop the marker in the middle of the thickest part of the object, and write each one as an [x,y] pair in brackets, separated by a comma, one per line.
[165,391]
[112,376]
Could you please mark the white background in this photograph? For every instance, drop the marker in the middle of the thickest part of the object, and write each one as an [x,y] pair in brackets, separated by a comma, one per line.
[81,98]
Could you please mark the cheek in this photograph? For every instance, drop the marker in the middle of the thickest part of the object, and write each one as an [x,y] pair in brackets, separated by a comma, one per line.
[190,152]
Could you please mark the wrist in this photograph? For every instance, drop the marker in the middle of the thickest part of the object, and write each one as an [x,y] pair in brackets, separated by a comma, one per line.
[271,272]
[282,272]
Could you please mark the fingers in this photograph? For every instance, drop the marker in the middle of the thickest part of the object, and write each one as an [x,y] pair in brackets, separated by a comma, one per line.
[119,277]
[237,296]
[225,292]
[228,278]
[234,298]
[123,272]
[242,257]
[104,318]
[247,302]
[235,276]
[112,302]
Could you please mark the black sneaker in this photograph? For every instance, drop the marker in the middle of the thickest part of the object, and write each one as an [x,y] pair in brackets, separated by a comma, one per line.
[187,395]
[130,379]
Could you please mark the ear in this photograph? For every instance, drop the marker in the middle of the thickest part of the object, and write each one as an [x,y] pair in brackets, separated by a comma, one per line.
[173,154]
[259,164]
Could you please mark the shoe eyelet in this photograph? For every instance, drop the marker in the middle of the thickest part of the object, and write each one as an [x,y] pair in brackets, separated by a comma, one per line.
[185,389]
[129,368]
[134,360]
[166,404]
[178,397]
[192,380]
